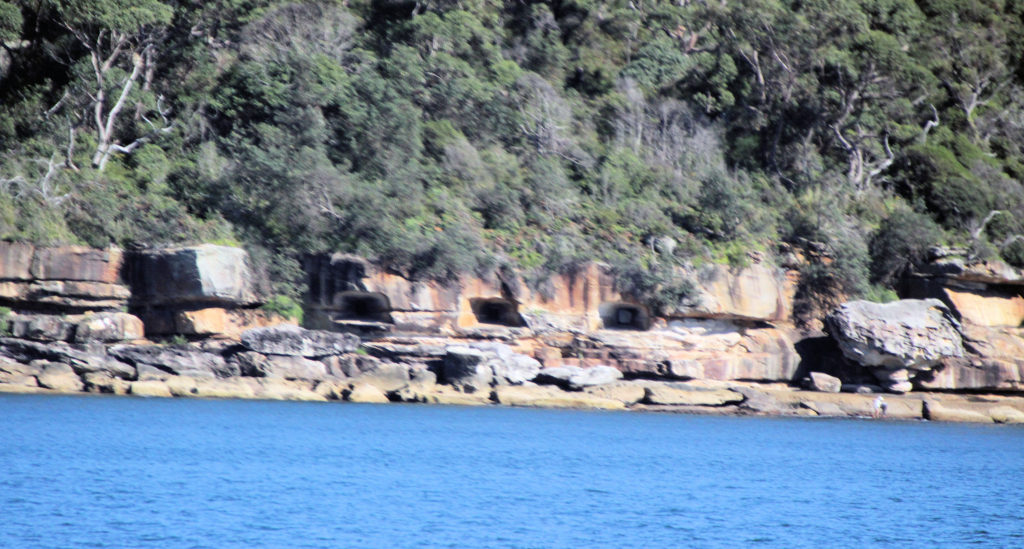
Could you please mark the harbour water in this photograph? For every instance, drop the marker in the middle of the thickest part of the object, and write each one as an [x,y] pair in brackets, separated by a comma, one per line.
[129,472]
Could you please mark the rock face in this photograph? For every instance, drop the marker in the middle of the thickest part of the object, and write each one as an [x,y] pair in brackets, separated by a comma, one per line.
[894,339]
[69,279]
[757,292]
[294,341]
[196,275]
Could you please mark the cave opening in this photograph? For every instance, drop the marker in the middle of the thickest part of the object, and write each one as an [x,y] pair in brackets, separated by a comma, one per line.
[364,306]
[624,316]
[496,311]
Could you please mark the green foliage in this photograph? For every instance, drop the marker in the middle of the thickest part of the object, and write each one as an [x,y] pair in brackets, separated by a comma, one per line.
[901,243]
[284,306]
[5,321]
[880,294]
[445,137]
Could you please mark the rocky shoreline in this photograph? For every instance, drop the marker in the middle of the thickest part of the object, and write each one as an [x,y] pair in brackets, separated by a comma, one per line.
[290,363]
[189,322]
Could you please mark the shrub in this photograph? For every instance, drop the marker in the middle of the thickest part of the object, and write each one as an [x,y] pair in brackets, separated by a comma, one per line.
[284,306]
[901,243]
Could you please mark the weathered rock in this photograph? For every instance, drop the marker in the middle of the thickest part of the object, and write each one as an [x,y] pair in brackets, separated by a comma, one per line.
[279,366]
[467,369]
[197,275]
[181,386]
[440,394]
[59,377]
[65,295]
[82,359]
[574,377]
[819,381]
[215,321]
[151,373]
[178,360]
[42,327]
[757,292]
[108,327]
[150,389]
[15,373]
[894,380]
[509,366]
[102,382]
[283,389]
[850,404]
[626,392]
[295,341]
[683,394]
[386,376]
[16,260]
[912,334]
[1006,414]
[225,388]
[77,263]
[366,393]
[861,388]
[936,411]
[551,397]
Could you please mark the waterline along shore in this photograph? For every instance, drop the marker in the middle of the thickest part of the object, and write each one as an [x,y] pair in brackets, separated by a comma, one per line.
[193,322]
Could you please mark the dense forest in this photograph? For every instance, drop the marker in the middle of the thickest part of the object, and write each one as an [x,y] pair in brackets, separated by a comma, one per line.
[442,136]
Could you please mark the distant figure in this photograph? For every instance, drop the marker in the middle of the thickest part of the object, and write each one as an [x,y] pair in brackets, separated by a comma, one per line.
[879,408]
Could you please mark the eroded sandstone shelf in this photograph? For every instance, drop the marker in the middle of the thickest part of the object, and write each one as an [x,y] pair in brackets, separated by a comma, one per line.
[100,321]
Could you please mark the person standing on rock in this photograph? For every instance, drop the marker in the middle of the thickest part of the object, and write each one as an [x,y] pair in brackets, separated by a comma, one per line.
[880,407]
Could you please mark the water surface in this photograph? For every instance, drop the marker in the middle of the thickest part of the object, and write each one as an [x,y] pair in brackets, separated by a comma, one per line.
[127,472]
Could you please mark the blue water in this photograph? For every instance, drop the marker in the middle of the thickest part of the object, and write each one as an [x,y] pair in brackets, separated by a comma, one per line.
[125,472]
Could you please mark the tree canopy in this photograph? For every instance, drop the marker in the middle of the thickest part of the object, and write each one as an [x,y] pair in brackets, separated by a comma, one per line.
[444,137]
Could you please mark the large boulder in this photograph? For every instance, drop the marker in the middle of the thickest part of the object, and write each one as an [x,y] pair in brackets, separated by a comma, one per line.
[196,275]
[178,360]
[909,334]
[295,341]
[820,381]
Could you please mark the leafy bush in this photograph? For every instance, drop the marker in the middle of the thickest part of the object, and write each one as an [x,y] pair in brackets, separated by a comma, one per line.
[5,321]
[284,306]
[901,243]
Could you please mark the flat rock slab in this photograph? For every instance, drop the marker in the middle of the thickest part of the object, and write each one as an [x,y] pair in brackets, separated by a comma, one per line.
[550,397]
[681,394]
